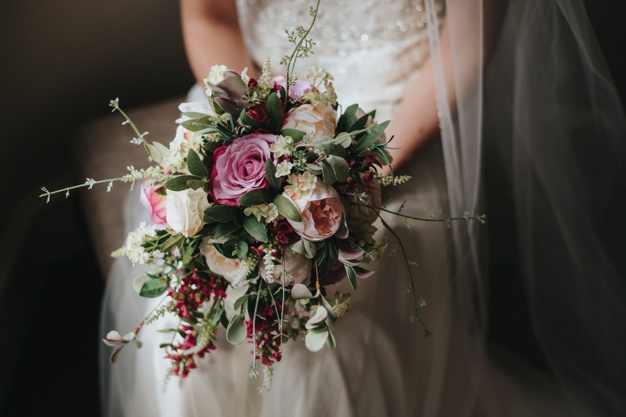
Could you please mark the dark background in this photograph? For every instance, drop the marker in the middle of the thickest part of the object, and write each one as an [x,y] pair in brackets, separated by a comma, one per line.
[62,62]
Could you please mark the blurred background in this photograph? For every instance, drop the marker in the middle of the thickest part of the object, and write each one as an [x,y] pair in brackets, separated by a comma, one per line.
[62,62]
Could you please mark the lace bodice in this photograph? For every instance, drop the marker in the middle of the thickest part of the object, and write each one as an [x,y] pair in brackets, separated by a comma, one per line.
[391,33]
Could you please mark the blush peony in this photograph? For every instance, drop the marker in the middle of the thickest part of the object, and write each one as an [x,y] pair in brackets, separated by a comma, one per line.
[321,210]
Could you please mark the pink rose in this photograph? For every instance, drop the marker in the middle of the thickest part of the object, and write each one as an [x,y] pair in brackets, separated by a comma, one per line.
[240,167]
[153,201]
[321,211]
[297,90]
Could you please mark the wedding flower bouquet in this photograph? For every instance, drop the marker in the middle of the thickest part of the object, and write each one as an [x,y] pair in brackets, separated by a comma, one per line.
[265,199]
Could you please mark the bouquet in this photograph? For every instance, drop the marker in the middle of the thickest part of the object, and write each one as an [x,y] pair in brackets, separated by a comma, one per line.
[266,197]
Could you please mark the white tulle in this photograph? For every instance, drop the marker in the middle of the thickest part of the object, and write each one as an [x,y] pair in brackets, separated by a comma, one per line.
[383,365]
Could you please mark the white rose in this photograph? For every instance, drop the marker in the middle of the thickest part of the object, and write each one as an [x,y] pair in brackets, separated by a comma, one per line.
[297,266]
[185,209]
[319,121]
[218,263]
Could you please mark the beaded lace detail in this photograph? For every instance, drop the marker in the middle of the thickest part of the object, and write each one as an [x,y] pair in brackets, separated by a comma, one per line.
[348,34]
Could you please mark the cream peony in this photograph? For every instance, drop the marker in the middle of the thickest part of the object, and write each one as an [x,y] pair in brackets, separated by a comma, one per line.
[218,263]
[297,266]
[185,209]
[317,121]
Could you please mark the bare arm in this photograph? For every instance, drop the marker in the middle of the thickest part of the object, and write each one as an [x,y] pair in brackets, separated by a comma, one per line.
[212,36]
[415,122]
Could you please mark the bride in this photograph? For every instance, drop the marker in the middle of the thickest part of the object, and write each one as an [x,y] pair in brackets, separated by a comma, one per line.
[526,313]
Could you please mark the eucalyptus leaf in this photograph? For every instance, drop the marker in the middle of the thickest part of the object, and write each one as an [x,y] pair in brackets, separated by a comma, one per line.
[331,342]
[158,152]
[332,317]
[305,248]
[236,332]
[301,292]
[270,174]
[287,208]
[223,214]
[351,276]
[179,183]
[343,139]
[314,169]
[139,281]
[194,115]
[256,197]
[315,339]
[242,249]
[296,135]
[255,228]
[275,109]
[195,164]
[153,288]
[328,175]
[340,167]
[318,318]
[240,302]
[372,136]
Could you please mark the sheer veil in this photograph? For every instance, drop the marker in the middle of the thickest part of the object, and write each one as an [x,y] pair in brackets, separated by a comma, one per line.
[533,134]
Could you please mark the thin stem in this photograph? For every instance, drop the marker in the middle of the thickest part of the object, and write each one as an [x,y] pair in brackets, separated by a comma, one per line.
[480,218]
[411,283]
[294,55]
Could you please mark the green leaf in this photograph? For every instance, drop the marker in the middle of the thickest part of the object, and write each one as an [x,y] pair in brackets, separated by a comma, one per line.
[270,174]
[242,249]
[340,167]
[328,175]
[194,115]
[372,136]
[195,164]
[249,121]
[314,169]
[256,197]
[275,109]
[351,276]
[225,229]
[359,124]
[240,302]
[287,208]
[158,152]
[296,135]
[171,242]
[223,214]
[153,288]
[348,118]
[331,342]
[179,183]
[255,228]
[236,332]
[305,248]
[196,184]
[188,251]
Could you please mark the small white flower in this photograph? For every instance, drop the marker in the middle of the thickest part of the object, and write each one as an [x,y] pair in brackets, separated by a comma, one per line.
[267,211]
[283,169]
[282,146]
[133,247]
[216,75]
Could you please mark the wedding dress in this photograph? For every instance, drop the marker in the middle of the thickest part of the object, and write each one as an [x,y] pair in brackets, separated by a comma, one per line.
[383,365]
